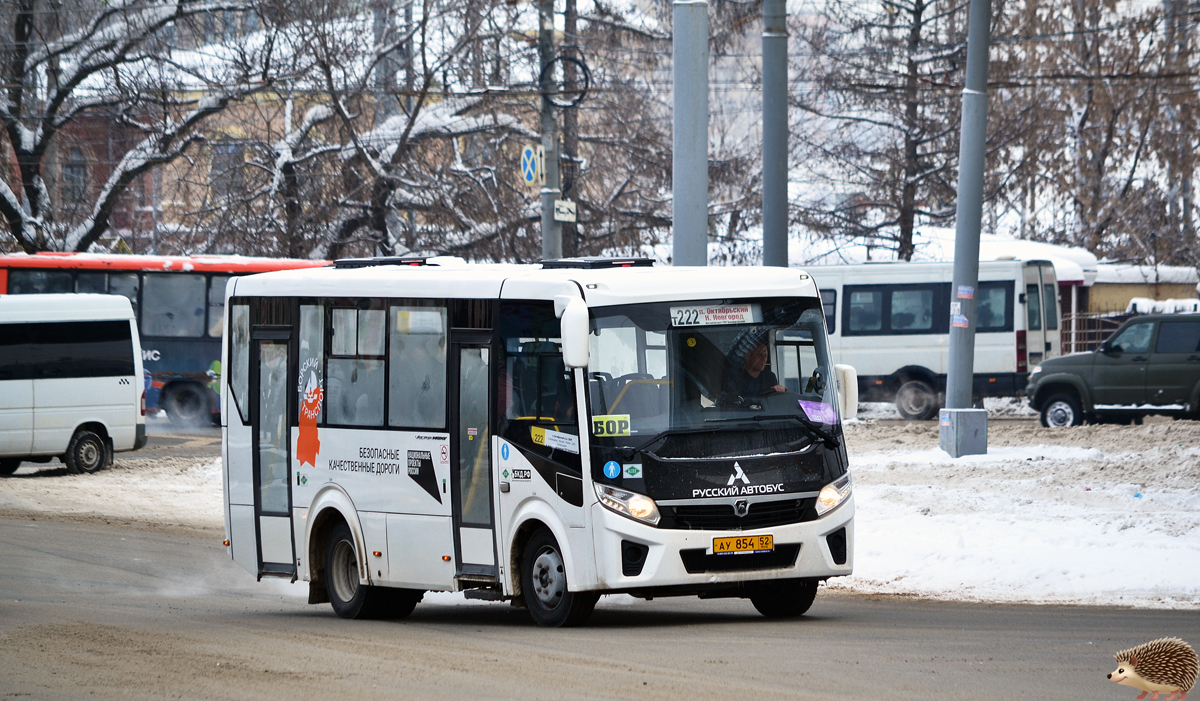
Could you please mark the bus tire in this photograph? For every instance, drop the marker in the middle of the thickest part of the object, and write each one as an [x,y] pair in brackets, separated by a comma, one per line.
[9,466]
[350,598]
[87,452]
[916,401]
[187,405]
[783,598]
[550,602]
[1061,411]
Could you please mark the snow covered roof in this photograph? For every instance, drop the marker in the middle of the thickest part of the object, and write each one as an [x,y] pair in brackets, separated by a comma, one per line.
[1072,265]
[1118,274]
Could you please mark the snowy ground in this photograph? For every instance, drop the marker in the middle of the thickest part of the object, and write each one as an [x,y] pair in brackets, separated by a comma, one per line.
[1106,515]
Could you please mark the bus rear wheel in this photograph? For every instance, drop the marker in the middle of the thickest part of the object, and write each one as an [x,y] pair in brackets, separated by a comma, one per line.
[550,601]
[187,405]
[916,401]
[783,598]
[352,599]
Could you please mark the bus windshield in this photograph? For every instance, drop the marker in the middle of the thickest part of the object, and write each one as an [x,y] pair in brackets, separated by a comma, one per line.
[716,378]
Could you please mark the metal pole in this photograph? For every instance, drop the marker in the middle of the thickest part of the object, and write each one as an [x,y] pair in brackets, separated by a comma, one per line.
[689,164]
[551,230]
[970,210]
[775,133]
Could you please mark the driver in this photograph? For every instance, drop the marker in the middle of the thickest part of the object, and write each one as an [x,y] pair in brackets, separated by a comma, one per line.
[752,378]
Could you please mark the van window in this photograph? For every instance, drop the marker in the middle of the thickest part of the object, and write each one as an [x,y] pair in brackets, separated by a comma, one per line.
[174,305]
[1178,337]
[994,311]
[38,282]
[866,311]
[1033,307]
[912,310]
[16,353]
[417,374]
[355,369]
[1050,296]
[82,349]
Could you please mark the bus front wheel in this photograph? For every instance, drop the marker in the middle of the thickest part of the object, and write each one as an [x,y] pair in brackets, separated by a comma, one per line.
[783,598]
[550,601]
[352,599]
[916,401]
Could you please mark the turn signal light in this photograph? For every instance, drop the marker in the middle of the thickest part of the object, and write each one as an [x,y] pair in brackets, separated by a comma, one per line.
[226,543]
[445,558]
[144,410]
[377,553]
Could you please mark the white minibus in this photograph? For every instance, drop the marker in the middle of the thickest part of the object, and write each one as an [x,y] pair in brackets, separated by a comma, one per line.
[540,434]
[891,321]
[70,380]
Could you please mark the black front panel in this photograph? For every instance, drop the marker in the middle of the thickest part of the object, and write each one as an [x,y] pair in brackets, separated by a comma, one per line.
[696,561]
[752,476]
[723,517]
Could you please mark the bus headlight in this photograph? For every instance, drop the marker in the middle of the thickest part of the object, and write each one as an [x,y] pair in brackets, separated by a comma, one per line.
[635,506]
[833,494]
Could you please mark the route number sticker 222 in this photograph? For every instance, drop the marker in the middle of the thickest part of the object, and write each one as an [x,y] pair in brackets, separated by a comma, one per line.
[610,426]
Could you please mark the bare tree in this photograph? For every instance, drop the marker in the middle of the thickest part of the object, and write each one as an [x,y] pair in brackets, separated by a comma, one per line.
[64,62]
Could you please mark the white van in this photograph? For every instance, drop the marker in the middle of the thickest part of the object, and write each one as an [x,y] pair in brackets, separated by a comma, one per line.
[70,380]
[891,321]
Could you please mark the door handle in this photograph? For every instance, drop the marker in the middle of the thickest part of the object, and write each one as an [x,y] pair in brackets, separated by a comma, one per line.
[1193,358]
[1138,358]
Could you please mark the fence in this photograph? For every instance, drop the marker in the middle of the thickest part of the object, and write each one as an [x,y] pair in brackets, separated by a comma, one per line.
[1085,331]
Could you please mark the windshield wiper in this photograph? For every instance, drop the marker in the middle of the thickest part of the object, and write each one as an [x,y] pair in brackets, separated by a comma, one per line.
[828,438]
[630,452]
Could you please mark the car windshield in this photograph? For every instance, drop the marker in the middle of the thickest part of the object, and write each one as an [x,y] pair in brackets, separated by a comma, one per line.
[743,377]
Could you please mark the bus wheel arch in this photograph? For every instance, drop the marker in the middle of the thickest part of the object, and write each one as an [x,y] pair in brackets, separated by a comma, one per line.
[529,524]
[330,508]
[548,596]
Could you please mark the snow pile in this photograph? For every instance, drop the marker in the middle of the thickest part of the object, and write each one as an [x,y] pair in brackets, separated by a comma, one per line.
[997,408]
[1040,523]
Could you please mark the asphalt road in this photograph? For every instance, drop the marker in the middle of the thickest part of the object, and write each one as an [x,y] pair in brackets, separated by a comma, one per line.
[93,610]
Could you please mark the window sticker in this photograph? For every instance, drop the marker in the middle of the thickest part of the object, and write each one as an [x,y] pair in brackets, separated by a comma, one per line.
[710,315]
[610,426]
[819,412]
[631,471]
[554,439]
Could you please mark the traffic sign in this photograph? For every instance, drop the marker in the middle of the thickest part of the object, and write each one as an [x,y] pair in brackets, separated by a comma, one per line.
[533,171]
[564,210]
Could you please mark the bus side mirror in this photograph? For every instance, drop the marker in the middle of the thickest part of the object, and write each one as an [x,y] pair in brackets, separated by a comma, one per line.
[847,390]
[574,324]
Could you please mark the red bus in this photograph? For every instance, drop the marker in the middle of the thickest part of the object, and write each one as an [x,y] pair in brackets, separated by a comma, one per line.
[180,305]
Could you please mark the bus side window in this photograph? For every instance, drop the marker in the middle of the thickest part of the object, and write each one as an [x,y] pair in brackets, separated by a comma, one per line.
[174,305]
[536,391]
[417,370]
[31,282]
[355,368]
[216,305]
[239,357]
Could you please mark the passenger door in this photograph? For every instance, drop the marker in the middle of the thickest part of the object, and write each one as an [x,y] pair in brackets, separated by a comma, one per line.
[1174,367]
[470,456]
[1119,374]
[16,391]
[1035,328]
[270,368]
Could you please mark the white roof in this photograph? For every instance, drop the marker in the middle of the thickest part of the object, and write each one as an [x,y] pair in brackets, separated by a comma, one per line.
[64,307]
[1118,274]
[599,287]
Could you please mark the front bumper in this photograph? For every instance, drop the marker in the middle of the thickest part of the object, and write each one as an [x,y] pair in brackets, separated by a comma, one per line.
[665,567]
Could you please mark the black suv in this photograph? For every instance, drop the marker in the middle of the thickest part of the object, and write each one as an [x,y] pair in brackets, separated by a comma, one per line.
[1151,365]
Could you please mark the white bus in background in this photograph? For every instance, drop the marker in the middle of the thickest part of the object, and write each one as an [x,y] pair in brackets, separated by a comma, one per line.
[891,321]
[70,380]
[541,434]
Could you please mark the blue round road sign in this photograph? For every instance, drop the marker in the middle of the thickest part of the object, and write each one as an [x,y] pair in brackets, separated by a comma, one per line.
[612,469]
